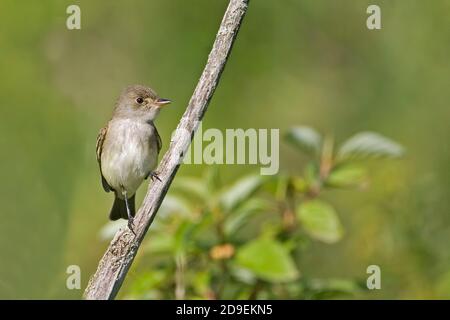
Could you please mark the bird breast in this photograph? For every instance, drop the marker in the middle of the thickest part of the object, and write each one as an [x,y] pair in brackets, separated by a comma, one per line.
[129,154]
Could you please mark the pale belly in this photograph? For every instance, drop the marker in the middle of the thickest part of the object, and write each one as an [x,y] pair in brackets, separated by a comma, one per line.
[129,154]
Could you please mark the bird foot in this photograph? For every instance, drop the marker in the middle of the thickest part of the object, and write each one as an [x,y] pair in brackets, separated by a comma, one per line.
[154,176]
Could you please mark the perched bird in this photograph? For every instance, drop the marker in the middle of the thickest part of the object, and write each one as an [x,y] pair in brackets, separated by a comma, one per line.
[128,147]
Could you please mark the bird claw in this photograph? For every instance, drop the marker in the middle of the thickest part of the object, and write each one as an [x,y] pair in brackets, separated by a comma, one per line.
[154,175]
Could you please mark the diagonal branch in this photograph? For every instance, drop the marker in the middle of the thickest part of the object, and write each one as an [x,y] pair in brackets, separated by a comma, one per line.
[119,256]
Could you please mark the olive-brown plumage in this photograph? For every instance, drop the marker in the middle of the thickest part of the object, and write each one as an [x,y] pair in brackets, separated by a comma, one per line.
[128,146]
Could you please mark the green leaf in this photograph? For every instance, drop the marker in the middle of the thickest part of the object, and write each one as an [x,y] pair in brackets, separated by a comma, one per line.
[242,215]
[268,260]
[369,145]
[241,191]
[320,221]
[243,275]
[305,139]
[346,176]
[333,288]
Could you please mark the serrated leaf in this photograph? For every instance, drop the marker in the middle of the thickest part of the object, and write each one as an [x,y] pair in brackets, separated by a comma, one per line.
[268,259]
[242,190]
[306,139]
[346,176]
[320,221]
[369,145]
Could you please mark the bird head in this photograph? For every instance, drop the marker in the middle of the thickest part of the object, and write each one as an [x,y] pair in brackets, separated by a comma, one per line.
[140,102]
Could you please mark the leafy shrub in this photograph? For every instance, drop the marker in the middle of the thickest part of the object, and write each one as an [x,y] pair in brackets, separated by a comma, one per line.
[242,241]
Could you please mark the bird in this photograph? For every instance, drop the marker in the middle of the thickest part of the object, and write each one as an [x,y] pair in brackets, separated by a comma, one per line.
[128,146]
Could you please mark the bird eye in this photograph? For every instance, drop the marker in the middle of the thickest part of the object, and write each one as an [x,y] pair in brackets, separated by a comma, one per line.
[139,100]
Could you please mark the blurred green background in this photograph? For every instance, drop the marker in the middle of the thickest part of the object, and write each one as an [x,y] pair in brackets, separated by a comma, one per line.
[295,62]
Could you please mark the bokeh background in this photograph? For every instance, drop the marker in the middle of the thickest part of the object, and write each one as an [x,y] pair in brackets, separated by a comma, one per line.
[295,62]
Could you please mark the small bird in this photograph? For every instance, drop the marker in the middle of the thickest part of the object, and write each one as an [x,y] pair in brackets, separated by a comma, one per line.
[128,147]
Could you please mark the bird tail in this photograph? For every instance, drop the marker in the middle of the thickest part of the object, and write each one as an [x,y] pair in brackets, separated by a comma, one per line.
[119,208]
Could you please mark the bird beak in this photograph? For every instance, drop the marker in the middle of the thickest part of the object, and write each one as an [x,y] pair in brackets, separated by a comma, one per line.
[161,102]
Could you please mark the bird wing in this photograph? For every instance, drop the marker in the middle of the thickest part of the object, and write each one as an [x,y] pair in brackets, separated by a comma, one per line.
[158,140]
[99,148]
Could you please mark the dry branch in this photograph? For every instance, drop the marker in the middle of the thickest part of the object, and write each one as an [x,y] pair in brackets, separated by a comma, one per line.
[119,256]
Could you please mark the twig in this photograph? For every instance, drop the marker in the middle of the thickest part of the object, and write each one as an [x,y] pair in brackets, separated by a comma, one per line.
[116,261]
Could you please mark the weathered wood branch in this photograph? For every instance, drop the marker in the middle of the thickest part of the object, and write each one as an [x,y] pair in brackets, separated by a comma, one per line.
[119,256]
